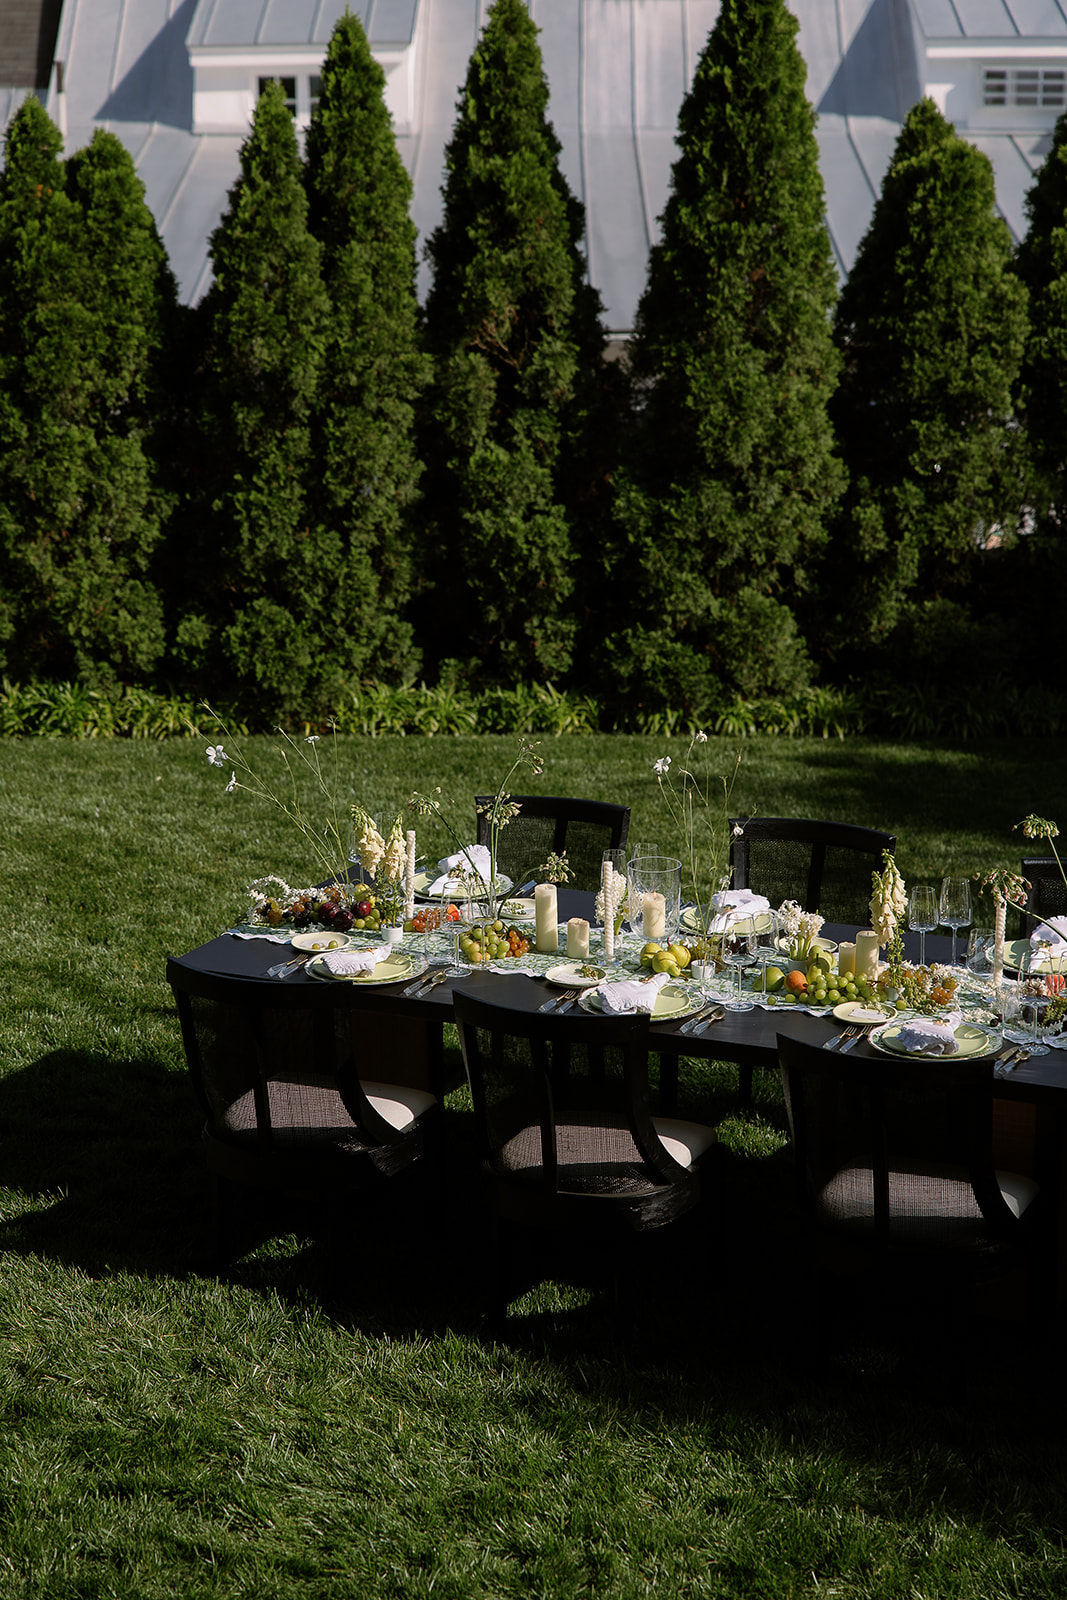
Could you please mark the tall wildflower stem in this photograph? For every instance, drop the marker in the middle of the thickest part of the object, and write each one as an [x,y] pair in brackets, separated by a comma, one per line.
[693,811]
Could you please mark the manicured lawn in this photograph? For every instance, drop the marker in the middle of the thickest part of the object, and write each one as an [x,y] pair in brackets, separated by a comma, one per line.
[329,1420]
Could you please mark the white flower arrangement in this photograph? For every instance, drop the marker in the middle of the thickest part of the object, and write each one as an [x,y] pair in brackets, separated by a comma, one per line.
[800,927]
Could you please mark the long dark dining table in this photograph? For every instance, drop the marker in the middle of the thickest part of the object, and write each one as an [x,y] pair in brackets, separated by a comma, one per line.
[747,1037]
[1031,1103]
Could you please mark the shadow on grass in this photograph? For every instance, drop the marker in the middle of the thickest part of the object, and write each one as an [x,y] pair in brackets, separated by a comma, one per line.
[100,1157]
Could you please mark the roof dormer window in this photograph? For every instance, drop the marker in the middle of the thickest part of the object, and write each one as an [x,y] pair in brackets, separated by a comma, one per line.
[1031,88]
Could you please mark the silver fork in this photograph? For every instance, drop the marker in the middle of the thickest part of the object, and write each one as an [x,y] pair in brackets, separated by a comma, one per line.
[703,1017]
[560,1000]
[284,968]
[847,1034]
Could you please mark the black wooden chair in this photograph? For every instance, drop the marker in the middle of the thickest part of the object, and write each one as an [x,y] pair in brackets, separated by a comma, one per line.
[894,1173]
[1047,895]
[584,828]
[568,1143]
[825,866]
[285,1109]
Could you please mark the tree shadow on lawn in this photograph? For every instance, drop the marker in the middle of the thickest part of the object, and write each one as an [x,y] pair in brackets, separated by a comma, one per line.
[101,1158]
[104,1152]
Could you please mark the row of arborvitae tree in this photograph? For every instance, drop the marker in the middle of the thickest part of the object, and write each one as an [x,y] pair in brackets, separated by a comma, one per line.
[306,481]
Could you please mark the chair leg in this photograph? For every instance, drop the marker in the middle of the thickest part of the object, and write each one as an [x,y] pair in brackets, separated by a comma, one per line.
[744,1084]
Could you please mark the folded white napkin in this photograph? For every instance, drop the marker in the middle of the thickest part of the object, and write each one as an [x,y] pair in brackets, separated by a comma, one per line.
[1054,932]
[632,994]
[475,860]
[346,963]
[931,1036]
[734,905]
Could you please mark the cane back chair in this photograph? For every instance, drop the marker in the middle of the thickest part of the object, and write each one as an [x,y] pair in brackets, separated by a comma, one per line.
[275,1074]
[584,828]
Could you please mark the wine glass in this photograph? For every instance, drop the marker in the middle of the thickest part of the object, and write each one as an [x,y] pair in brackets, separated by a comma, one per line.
[922,915]
[739,951]
[765,938]
[954,909]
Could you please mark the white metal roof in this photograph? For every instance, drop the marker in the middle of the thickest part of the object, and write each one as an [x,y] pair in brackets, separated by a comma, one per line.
[617,71]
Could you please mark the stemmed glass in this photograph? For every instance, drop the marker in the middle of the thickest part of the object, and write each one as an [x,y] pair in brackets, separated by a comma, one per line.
[954,910]
[922,915]
[765,939]
[739,951]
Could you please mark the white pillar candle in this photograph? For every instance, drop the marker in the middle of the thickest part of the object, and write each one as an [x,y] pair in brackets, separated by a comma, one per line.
[546,917]
[846,960]
[867,954]
[409,878]
[606,888]
[654,915]
[578,939]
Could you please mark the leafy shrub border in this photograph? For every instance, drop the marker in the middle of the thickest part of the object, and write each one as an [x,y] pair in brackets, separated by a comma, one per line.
[74,711]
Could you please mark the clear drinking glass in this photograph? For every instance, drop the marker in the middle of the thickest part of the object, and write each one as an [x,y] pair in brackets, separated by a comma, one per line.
[649,878]
[954,909]
[765,938]
[922,915]
[980,942]
[739,951]
[1034,1003]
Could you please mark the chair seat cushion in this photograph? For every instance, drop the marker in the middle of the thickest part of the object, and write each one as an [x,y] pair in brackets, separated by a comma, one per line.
[602,1158]
[935,1208]
[685,1141]
[397,1103]
[312,1111]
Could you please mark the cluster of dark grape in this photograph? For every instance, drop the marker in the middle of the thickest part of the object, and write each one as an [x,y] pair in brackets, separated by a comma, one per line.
[309,909]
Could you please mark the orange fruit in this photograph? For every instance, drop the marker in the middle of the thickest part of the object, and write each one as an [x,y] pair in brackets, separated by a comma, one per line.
[796,982]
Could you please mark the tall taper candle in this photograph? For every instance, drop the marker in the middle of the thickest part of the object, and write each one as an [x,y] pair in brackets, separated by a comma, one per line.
[606,886]
[409,878]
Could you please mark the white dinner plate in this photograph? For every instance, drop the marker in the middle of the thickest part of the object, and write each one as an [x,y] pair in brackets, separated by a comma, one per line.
[970,1039]
[1018,948]
[860,1011]
[568,975]
[692,921]
[671,1003]
[394,969]
[517,910]
[829,945]
[321,941]
[423,881]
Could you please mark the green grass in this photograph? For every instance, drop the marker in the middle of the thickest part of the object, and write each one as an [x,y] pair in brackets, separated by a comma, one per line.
[329,1420]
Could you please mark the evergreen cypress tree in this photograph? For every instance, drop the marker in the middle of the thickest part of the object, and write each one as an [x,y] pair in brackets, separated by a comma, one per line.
[87,303]
[931,324]
[265,579]
[373,365]
[1041,262]
[729,474]
[518,348]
